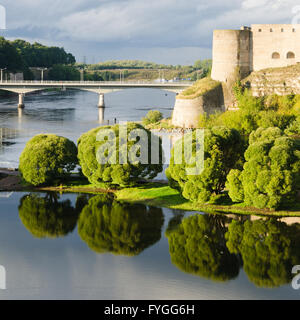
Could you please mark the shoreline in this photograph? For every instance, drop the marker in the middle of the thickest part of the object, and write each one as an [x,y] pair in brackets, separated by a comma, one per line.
[155,193]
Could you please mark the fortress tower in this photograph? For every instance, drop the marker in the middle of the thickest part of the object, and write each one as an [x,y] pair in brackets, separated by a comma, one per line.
[236,53]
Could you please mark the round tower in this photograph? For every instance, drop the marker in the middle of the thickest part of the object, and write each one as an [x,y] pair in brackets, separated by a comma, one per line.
[231,55]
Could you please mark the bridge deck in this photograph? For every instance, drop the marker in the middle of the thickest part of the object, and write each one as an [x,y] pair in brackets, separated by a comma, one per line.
[95,86]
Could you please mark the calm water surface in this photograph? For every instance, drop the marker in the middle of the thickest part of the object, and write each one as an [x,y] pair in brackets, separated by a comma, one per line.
[70,114]
[74,247]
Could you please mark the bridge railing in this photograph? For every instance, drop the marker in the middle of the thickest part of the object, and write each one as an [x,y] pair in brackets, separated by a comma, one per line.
[39,82]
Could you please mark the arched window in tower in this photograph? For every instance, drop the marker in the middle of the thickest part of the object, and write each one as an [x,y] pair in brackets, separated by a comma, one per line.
[290,55]
[275,55]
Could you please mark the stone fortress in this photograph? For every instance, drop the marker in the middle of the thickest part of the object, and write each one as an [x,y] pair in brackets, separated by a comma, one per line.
[252,49]
[250,53]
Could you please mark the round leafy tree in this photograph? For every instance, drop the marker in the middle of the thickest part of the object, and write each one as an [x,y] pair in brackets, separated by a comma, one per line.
[47,157]
[269,249]
[109,226]
[198,246]
[223,149]
[271,175]
[47,216]
[153,116]
[119,155]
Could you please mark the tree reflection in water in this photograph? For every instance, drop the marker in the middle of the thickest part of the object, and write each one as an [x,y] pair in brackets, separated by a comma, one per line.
[198,246]
[47,216]
[215,247]
[269,249]
[123,229]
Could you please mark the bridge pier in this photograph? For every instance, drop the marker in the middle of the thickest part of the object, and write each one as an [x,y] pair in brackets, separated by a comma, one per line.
[101,103]
[21,104]
[101,114]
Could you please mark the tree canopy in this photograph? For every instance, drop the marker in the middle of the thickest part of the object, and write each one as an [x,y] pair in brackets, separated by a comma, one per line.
[47,157]
[223,149]
[38,55]
[271,174]
[10,57]
[107,158]
[108,226]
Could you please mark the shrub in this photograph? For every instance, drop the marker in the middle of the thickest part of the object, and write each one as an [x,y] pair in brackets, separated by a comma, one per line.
[47,157]
[152,117]
[110,226]
[270,177]
[106,161]
[223,149]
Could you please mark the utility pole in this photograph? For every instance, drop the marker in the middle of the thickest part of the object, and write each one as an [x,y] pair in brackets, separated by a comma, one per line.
[2,73]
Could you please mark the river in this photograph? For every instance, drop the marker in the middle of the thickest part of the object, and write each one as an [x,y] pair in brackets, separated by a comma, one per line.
[71,113]
[73,246]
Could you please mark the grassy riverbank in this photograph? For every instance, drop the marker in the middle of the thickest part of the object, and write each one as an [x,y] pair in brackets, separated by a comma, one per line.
[161,195]
[156,194]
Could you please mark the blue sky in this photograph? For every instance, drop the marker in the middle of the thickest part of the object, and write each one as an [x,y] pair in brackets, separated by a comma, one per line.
[163,31]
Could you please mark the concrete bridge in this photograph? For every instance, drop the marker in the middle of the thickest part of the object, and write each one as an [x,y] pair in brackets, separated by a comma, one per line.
[100,87]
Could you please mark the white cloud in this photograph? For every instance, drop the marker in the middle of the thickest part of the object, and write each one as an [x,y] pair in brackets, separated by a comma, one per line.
[112,25]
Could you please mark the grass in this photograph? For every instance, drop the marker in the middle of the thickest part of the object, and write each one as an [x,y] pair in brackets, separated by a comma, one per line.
[164,124]
[161,195]
[200,88]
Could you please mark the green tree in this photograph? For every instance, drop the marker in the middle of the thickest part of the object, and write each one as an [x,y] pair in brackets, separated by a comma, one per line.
[270,177]
[269,249]
[153,116]
[10,57]
[46,216]
[198,246]
[47,157]
[107,156]
[61,72]
[107,225]
[223,149]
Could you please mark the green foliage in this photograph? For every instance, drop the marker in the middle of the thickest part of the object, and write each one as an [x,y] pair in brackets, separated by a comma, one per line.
[61,72]
[270,177]
[199,88]
[255,112]
[270,118]
[153,116]
[106,161]
[47,216]
[47,157]
[197,246]
[110,226]
[223,149]
[293,128]
[38,55]
[269,249]
[234,186]
[9,56]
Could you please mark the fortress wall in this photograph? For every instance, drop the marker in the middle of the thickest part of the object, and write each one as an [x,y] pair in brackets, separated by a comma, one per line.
[186,112]
[231,54]
[271,38]
[280,81]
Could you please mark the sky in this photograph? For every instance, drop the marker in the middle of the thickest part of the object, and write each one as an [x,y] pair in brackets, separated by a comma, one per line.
[162,31]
